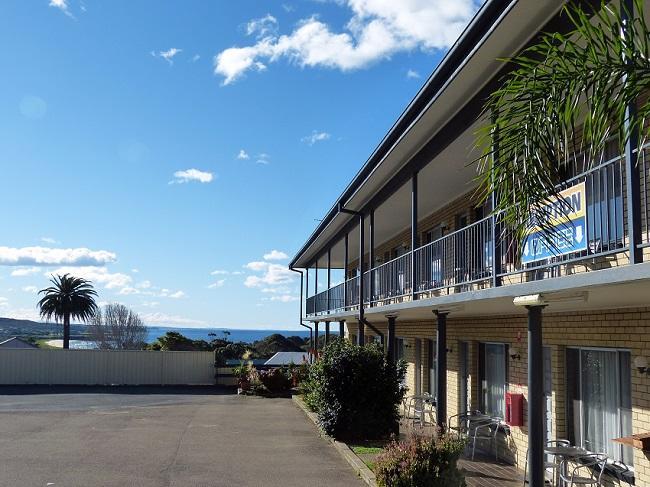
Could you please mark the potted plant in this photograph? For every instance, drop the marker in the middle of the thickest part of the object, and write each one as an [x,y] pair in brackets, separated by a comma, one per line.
[241,373]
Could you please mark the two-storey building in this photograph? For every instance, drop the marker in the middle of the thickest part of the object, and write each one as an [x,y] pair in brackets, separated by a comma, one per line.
[407,256]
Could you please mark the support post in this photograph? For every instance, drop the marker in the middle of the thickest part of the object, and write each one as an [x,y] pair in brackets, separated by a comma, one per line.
[362,248]
[341,329]
[391,337]
[535,398]
[345,273]
[316,339]
[496,227]
[361,334]
[329,276]
[327,333]
[371,255]
[441,368]
[414,233]
[632,173]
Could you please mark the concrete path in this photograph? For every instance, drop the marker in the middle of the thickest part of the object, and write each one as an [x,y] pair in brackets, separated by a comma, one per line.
[160,437]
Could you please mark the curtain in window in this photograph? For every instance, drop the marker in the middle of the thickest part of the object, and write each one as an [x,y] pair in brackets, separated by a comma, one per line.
[495,379]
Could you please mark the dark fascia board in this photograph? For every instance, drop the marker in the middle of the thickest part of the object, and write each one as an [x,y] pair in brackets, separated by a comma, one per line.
[480,24]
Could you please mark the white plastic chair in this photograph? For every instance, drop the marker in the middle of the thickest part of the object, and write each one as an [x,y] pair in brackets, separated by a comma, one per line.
[554,465]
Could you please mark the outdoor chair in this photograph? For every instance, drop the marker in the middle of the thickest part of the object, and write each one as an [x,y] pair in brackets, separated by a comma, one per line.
[485,430]
[619,472]
[462,420]
[584,470]
[554,466]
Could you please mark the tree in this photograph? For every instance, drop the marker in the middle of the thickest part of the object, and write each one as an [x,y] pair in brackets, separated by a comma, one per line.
[68,298]
[117,328]
[565,97]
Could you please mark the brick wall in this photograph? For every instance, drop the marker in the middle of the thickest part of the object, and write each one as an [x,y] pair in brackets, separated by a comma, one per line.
[627,329]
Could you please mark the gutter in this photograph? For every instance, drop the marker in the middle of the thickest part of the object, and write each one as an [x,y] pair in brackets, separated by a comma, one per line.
[300,320]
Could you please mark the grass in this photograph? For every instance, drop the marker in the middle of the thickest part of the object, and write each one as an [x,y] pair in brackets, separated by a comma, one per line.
[42,343]
[366,450]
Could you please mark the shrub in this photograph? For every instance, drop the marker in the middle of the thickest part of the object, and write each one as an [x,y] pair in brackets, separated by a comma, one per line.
[421,462]
[275,380]
[356,391]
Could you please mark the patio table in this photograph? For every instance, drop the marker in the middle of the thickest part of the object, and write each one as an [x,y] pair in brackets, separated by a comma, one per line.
[565,452]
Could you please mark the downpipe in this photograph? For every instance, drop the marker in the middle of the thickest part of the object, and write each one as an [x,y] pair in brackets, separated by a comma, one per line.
[300,318]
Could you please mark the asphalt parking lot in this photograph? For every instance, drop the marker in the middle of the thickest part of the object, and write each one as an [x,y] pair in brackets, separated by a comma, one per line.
[145,437]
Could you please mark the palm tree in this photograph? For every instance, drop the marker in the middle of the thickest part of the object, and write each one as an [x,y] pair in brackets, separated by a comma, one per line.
[68,297]
[564,98]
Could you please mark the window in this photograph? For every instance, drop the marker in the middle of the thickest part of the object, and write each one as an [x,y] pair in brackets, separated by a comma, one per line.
[599,400]
[432,367]
[399,349]
[494,379]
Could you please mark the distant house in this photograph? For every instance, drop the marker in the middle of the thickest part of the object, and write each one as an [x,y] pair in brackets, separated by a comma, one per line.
[286,358]
[16,342]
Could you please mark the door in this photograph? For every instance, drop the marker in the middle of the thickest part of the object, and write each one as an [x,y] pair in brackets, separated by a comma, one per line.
[463,377]
[432,367]
[418,366]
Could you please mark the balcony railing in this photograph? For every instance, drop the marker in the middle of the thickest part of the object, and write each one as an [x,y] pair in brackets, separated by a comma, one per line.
[464,260]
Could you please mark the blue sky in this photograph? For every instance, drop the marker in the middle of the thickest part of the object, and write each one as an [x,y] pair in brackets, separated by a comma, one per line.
[176,153]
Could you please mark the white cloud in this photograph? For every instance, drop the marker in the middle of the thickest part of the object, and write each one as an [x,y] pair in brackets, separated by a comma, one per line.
[167,55]
[272,275]
[4,301]
[150,304]
[315,137]
[195,58]
[98,275]
[30,289]
[243,155]
[25,271]
[262,27]
[219,272]
[192,175]
[125,291]
[263,158]
[20,313]
[63,6]
[135,271]
[46,256]
[275,255]
[177,295]
[216,284]
[376,30]
[49,240]
[144,285]
[412,74]
[159,318]
[285,298]
[145,288]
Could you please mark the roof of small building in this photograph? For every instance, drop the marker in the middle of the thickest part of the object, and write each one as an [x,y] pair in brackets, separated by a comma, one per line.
[286,358]
[15,342]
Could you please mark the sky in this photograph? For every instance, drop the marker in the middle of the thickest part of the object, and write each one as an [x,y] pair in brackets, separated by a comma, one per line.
[178,153]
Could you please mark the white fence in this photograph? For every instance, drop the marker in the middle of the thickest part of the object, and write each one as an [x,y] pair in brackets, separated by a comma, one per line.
[106,367]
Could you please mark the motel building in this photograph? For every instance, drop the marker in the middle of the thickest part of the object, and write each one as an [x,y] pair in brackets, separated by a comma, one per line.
[554,342]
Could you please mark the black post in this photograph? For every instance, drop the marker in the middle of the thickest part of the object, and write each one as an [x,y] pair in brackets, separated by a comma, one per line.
[316,278]
[414,232]
[535,398]
[496,227]
[341,329]
[371,256]
[391,337]
[316,339]
[362,248]
[327,332]
[441,369]
[329,276]
[307,282]
[345,273]
[632,173]
[361,334]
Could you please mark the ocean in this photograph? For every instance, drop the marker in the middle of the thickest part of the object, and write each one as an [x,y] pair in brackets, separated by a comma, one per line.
[236,335]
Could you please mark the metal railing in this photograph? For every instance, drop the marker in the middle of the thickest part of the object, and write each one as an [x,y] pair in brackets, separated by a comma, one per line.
[605,230]
[465,258]
[644,169]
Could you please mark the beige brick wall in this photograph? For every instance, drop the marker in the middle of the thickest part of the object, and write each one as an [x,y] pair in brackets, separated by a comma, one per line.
[627,329]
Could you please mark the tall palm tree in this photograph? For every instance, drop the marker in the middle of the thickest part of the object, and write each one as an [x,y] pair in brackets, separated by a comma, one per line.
[564,98]
[68,297]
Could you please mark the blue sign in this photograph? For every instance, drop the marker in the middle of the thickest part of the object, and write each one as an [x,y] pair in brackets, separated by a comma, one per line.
[569,232]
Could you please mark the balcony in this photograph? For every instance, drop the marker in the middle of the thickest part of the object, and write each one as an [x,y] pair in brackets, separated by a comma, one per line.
[464,260]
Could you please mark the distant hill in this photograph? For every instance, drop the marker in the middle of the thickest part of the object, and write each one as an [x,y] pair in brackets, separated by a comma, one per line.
[10,327]
[278,343]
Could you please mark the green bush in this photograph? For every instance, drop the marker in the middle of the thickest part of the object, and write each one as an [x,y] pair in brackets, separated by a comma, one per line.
[275,380]
[421,462]
[356,391]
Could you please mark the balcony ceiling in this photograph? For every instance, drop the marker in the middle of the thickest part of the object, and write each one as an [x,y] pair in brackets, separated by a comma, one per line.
[520,21]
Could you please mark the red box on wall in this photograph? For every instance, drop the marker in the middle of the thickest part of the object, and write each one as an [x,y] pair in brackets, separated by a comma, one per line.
[514,409]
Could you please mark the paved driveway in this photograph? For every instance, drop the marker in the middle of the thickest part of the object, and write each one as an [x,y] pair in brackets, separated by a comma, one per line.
[151,437]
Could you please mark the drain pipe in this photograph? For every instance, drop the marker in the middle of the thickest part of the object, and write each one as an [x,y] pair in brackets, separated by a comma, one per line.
[311,332]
